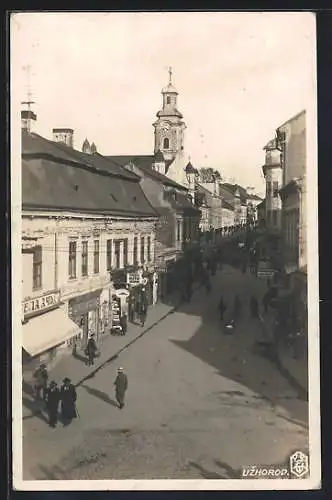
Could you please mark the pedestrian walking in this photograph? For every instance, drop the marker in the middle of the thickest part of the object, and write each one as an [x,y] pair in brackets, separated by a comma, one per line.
[124,324]
[143,313]
[68,397]
[254,307]
[41,378]
[121,385]
[91,350]
[52,403]
[222,308]
[237,307]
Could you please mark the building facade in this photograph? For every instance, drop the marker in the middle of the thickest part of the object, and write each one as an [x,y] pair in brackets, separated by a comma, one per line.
[81,224]
[292,137]
[273,174]
[179,218]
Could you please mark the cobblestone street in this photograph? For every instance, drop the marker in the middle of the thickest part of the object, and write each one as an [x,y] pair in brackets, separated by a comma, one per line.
[198,402]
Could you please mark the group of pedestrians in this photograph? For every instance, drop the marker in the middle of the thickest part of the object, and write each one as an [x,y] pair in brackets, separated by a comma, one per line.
[66,395]
[53,396]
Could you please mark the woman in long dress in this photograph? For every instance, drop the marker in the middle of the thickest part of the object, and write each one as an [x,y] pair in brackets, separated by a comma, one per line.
[68,398]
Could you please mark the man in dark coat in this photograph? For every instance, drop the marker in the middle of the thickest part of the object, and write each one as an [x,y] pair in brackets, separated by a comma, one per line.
[91,350]
[68,398]
[121,385]
[52,403]
[143,311]
[123,324]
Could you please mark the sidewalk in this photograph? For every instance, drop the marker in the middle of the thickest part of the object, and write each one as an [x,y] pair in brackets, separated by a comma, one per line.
[295,369]
[76,368]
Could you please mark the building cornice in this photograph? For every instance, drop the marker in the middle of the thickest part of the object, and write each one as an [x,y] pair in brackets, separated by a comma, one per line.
[37,210]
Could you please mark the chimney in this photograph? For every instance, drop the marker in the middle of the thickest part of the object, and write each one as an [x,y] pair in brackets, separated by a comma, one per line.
[28,119]
[65,135]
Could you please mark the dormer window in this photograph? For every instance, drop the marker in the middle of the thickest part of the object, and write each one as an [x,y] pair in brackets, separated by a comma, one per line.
[166,143]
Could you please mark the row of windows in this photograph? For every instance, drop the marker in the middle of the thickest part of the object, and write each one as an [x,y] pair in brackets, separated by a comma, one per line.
[110,246]
[272,187]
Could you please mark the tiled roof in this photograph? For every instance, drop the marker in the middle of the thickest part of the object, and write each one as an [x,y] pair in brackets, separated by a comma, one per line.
[144,162]
[54,179]
[35,145]
[227,205]
[233,187]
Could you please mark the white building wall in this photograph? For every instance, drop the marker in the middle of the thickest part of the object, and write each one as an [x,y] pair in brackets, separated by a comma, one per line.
[56,251]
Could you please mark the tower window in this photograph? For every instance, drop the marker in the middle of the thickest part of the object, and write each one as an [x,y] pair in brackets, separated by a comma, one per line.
[166,143]
[168,100]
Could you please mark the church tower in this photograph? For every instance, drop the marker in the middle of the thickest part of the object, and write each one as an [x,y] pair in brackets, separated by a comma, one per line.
[169,128]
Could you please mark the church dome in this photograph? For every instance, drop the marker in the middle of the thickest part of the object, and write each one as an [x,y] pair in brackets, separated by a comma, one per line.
[170,89]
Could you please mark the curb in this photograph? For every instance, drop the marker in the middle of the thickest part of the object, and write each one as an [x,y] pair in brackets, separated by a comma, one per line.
[114,356]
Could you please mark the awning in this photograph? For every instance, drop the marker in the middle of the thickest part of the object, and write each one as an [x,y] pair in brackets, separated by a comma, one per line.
[48,330]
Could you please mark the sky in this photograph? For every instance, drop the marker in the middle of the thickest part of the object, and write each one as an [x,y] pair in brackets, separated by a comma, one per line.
[239,76]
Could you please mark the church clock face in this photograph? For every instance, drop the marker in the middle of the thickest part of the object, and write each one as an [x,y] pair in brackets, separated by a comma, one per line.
[165,126]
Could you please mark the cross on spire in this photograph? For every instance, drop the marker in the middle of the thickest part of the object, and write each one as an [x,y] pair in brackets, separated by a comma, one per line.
[170,72]
[27,69]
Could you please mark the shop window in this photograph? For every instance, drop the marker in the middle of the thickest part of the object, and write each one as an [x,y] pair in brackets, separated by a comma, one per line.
[84,258]
[96,256]
[125,252]
[109,255]
[149,249]
[135,261]
[166,143]
[275,189]
[37,267]
[142,250]
[72,260]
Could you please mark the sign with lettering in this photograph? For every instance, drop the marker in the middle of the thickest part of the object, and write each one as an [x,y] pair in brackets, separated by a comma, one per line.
[41,304]
[266,273]
[133,278]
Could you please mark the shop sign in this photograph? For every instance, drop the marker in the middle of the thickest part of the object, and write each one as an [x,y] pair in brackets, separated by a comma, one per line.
[133,278]
[266,273]
[41,304]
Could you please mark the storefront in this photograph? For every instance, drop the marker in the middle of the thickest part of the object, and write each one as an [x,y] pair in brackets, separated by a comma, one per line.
[85,312]
[47,331]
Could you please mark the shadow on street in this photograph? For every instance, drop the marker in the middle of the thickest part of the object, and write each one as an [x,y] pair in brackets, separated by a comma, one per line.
[103,396]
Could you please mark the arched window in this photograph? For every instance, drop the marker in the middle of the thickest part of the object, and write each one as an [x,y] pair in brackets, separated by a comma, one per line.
[166,143]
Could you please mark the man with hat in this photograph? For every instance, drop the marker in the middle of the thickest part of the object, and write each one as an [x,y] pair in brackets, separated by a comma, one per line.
[121,385]
[68,398]
[41,377]
[52,403]
[91,350]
